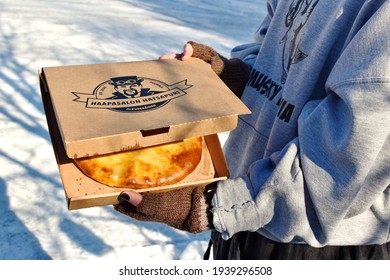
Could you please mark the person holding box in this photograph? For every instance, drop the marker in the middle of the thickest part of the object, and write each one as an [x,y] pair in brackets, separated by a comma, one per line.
[310,167]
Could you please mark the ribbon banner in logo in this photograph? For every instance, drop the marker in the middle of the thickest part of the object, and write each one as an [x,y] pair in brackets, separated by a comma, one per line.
[160,95]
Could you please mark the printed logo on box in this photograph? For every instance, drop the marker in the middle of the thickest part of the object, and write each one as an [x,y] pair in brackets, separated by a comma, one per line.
[132,94]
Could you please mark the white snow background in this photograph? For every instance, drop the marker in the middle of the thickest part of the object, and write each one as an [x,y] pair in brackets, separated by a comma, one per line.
[34,220]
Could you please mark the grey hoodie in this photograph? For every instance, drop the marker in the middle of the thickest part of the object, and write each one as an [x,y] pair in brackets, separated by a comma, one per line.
[311,164]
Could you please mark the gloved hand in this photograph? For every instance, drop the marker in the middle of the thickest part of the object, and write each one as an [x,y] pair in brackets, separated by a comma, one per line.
[186,209]
[233,72]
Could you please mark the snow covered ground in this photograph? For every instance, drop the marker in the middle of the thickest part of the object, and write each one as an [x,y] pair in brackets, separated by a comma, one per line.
[34,220]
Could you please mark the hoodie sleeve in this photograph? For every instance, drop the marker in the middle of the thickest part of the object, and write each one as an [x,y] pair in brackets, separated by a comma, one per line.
[331,184]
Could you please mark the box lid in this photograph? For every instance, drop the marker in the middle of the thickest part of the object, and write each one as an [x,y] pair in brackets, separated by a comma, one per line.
[112,107]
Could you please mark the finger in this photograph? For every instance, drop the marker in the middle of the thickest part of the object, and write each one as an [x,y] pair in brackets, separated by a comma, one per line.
[188,51]
[131,197]
[170,56]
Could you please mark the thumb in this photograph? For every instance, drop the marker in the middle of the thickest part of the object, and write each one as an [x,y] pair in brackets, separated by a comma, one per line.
[131,197]
[188,51]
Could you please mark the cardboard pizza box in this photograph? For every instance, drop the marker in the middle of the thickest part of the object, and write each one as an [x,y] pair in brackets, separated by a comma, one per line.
[100,109]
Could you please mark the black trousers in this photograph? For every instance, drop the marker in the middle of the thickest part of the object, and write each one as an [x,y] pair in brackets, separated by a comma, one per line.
[253,246]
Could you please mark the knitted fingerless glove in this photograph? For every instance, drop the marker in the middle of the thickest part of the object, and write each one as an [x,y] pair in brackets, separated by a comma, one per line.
[233,72]
[186,209]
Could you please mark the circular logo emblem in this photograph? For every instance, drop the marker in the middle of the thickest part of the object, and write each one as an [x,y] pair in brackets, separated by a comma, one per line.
[132,94]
